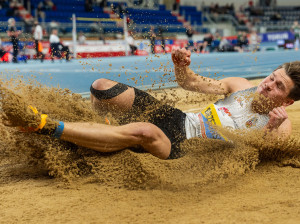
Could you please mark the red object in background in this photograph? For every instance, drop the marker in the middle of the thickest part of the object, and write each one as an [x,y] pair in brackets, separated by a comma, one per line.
[141,53]
[5,58]
[181,43]
[100,54]
[168,48]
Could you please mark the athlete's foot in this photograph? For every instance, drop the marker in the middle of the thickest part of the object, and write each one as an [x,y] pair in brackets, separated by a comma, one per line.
[19,113]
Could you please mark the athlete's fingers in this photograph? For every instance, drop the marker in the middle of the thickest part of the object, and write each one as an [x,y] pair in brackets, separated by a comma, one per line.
[275,114]
[283,110]
[280,112]
[181,57]
[272,114]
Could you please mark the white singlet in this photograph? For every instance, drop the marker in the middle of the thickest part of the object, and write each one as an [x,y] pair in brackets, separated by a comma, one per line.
[233,111]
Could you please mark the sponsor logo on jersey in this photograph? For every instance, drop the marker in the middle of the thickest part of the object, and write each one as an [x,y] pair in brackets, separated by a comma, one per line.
[251,122]
[224,110]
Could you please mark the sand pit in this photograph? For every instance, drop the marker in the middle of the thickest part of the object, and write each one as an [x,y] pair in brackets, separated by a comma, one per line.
[49,181]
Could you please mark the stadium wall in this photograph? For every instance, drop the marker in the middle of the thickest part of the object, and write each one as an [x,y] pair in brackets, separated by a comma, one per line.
[237,3]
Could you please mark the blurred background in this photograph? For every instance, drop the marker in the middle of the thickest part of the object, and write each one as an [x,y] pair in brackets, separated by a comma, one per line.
[66,29]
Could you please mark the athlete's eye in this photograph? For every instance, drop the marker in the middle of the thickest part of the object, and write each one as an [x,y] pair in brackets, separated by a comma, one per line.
[280,86]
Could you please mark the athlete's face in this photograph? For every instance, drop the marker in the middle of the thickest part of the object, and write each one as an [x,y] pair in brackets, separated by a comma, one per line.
[276,87]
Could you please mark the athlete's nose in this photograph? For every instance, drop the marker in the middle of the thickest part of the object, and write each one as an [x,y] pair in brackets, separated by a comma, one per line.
[269,86]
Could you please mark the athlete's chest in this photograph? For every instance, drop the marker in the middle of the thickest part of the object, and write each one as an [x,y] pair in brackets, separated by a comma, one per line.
[238,110]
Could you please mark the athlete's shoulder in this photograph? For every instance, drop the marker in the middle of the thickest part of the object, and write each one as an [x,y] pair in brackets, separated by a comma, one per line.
[235,84]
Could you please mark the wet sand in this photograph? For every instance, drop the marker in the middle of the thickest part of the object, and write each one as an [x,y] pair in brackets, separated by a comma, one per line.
[42,181]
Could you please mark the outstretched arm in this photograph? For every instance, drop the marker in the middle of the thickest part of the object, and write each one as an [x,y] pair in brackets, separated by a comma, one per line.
[188,80]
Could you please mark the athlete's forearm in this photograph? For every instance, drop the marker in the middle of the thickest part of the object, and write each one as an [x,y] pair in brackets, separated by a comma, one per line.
[189,80]
[184,76]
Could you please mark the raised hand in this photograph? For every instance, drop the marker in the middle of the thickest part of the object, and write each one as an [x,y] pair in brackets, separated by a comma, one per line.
[277,116]
[181,57]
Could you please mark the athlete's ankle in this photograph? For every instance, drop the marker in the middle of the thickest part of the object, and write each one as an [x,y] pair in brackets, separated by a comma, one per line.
[47,126]
[53,129]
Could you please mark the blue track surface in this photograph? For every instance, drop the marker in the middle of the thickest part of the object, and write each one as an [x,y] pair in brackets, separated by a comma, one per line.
[147,72]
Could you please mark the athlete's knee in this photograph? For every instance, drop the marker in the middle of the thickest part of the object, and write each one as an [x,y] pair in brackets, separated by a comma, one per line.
[105,89]
[147,132]
[102,84]
[152,139]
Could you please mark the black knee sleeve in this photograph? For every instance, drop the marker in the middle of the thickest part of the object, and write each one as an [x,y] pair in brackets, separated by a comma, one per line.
[109,93]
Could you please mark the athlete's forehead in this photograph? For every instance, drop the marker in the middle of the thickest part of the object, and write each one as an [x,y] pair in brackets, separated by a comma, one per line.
[281,76]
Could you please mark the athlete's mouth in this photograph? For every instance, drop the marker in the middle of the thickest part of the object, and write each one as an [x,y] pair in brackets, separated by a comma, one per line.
[262,90]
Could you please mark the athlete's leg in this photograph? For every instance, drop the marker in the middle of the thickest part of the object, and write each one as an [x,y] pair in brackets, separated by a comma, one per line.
[107,138]
[100,137]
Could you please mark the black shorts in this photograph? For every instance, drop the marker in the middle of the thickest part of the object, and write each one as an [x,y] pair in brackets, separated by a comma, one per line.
[170,120]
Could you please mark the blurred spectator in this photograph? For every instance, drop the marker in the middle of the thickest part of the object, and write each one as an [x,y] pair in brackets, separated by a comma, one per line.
[256,11]
[217,36]
[152,37]
[225,45]
[216,41]
[160,34]
[3,4]
[176,5]
[47,5]
[13,33]
[296,31]
[57,48]
[130,41]
[212,8]
[13,9]
[101,32]
[113,7]
[190,32]
[254,41]
[28,25]
[250,4]
[206,45]
[40,12]
[81,38]
[119,8]
[122,9]
[88,5]
[94,27]
[242,42]
[103,4]
[53,25]
[38,37]
[276,16]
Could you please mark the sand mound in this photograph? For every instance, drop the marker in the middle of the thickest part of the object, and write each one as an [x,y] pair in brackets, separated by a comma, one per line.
[205,160]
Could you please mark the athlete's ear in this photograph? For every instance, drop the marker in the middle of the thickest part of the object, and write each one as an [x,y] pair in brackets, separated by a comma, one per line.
[288,102]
